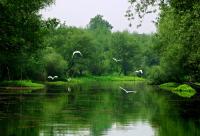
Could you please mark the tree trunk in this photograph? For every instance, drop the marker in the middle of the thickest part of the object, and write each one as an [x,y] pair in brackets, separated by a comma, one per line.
[8,73]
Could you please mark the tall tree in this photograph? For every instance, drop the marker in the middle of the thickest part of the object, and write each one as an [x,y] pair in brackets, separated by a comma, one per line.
[101,33]
[98,22]
[125,49]
[20,32]
[178,32]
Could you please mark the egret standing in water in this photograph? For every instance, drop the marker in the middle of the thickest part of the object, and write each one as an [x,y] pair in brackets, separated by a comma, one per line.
[76,52]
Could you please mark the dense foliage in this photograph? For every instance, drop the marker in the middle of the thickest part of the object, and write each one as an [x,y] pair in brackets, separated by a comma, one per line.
[31,48]
[20,35]
[177,48]
[98,45]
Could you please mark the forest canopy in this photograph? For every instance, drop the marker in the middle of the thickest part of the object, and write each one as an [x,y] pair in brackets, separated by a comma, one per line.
[33,48]
[178,38]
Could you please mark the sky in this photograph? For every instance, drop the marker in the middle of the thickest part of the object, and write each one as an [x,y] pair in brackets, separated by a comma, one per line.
[79,12]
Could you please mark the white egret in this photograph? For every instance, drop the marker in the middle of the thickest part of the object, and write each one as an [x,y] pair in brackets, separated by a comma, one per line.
[116,60]
[139,71]
[52,78]
[69,89]
[69,79]
[127,90]
[76,52]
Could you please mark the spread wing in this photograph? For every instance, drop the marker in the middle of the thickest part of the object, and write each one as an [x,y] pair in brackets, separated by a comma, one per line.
[117,60]
[76,52]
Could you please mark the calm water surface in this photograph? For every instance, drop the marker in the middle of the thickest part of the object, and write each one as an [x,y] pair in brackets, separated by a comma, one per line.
[98,109]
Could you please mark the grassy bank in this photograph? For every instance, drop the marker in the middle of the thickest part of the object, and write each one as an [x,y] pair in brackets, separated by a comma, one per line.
[96,78]
[110,78]
[169,86]
[28,84]
[182,90]
[21,84]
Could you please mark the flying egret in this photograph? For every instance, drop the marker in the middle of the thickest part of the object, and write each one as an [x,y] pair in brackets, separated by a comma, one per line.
[52,78]
[127,90]
[55,76]
[116,60]
[139,71]
[76,52]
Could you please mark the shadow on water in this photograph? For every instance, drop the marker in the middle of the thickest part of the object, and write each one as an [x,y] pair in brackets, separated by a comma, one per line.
[99,109]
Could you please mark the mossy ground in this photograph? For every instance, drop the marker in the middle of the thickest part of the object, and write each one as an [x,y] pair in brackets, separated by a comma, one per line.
[183,90]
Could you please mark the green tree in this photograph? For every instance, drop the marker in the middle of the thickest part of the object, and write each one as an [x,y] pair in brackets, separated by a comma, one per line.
[54,64]
[178,36]
[21,34]
[65,40]
[125,49]
[100,30]
[99,23]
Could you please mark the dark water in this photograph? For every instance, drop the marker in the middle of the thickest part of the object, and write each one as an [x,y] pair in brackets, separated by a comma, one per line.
[98,109]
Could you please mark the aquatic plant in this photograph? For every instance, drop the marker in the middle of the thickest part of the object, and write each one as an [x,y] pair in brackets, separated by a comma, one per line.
[183,90]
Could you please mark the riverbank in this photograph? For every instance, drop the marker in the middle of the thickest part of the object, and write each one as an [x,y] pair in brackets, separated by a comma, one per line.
[80,80]
[182,90]
[20,85]
[28,84]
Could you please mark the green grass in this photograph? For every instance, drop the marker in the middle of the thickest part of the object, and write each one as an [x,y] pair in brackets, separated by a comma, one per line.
[57,83]
[181,90]
[184,90]
[168,86]
[21,83]
[116,78]
[85,79]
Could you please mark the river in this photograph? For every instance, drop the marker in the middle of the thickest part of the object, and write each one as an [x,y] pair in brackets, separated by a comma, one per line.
[98,109]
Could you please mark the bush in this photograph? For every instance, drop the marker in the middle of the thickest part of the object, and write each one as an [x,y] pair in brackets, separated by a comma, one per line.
[185,88]
[184,91]
[55,64]
[156,75]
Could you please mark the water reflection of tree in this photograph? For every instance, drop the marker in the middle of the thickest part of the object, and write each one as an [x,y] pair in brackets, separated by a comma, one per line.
[95,107]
